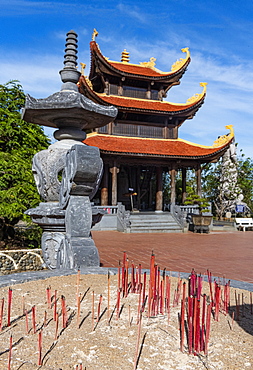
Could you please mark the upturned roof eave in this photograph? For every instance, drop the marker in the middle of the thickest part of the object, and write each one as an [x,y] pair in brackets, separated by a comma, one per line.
[214,152]
[167,77]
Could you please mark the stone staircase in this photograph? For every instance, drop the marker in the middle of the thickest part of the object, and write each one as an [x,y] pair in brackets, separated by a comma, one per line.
[152,222]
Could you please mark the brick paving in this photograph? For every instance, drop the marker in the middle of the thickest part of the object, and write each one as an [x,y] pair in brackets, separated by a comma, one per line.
[228,254]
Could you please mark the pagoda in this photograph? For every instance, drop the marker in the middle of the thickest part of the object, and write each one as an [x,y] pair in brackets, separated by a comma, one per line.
[141,145]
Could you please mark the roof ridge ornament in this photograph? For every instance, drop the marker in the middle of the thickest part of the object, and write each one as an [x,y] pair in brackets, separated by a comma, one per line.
[179,63]
[149,64]
[94,34]
[125,56]
[197,97]
[224,139]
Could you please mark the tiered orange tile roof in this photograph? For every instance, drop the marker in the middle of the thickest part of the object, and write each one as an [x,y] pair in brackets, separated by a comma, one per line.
[136,69]
[152,147]
[143,104]
[146,104]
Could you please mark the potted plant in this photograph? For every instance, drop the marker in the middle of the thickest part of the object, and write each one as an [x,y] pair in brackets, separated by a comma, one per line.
[199,222]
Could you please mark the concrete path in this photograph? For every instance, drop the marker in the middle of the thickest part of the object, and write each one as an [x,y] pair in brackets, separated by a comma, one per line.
[228,254]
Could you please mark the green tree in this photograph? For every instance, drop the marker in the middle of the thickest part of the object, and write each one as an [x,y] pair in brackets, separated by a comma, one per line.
[245,178]
[19,141]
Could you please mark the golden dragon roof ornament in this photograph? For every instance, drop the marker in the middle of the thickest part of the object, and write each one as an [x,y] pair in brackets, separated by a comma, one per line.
[197,97]
[224,139]
[179,63]
[83,65]
[94,34]
[149,64]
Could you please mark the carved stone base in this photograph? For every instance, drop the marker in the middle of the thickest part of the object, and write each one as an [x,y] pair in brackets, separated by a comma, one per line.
[85,253]
[51,243]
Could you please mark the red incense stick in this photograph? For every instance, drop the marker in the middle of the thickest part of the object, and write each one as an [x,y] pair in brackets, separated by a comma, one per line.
[77,285]
[208,325]
[45,319]
[118,304]
[202,344]
[26,322]
[108,297]
[78,309]
[1,313]
[99,307]
[92,310]
[40,348]
[49,297]
[55,304]
[34,318]
[56,325]
[137,344]
[9,306]
[251,308]
[10,353]
[64,312]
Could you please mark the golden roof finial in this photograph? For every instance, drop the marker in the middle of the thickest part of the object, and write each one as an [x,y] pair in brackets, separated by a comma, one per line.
[125,56]
[94,34]
[83,65]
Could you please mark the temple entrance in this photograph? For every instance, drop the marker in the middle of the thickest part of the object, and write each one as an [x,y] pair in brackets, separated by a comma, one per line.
[137,187]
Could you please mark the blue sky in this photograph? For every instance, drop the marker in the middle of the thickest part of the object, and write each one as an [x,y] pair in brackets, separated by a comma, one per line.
[218,33]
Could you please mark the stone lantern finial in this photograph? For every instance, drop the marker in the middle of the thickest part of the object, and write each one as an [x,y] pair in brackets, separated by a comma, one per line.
[69,74]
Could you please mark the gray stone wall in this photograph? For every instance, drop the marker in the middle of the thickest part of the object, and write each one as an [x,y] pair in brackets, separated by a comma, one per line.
[21,260]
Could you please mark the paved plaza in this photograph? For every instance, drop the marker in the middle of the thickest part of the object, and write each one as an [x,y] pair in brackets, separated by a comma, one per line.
[228,254]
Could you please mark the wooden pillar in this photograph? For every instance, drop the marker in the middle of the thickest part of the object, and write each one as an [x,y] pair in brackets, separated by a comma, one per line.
[159,190]
[173,186]
[198,180]
[104,189]
[114,171]
[183,184]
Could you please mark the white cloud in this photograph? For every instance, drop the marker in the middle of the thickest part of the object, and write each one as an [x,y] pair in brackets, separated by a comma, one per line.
[133,12]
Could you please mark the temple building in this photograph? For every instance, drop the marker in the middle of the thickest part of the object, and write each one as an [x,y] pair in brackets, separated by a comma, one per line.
[142,145]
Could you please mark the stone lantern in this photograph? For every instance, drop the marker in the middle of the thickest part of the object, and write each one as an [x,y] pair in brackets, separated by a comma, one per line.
[68,173]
